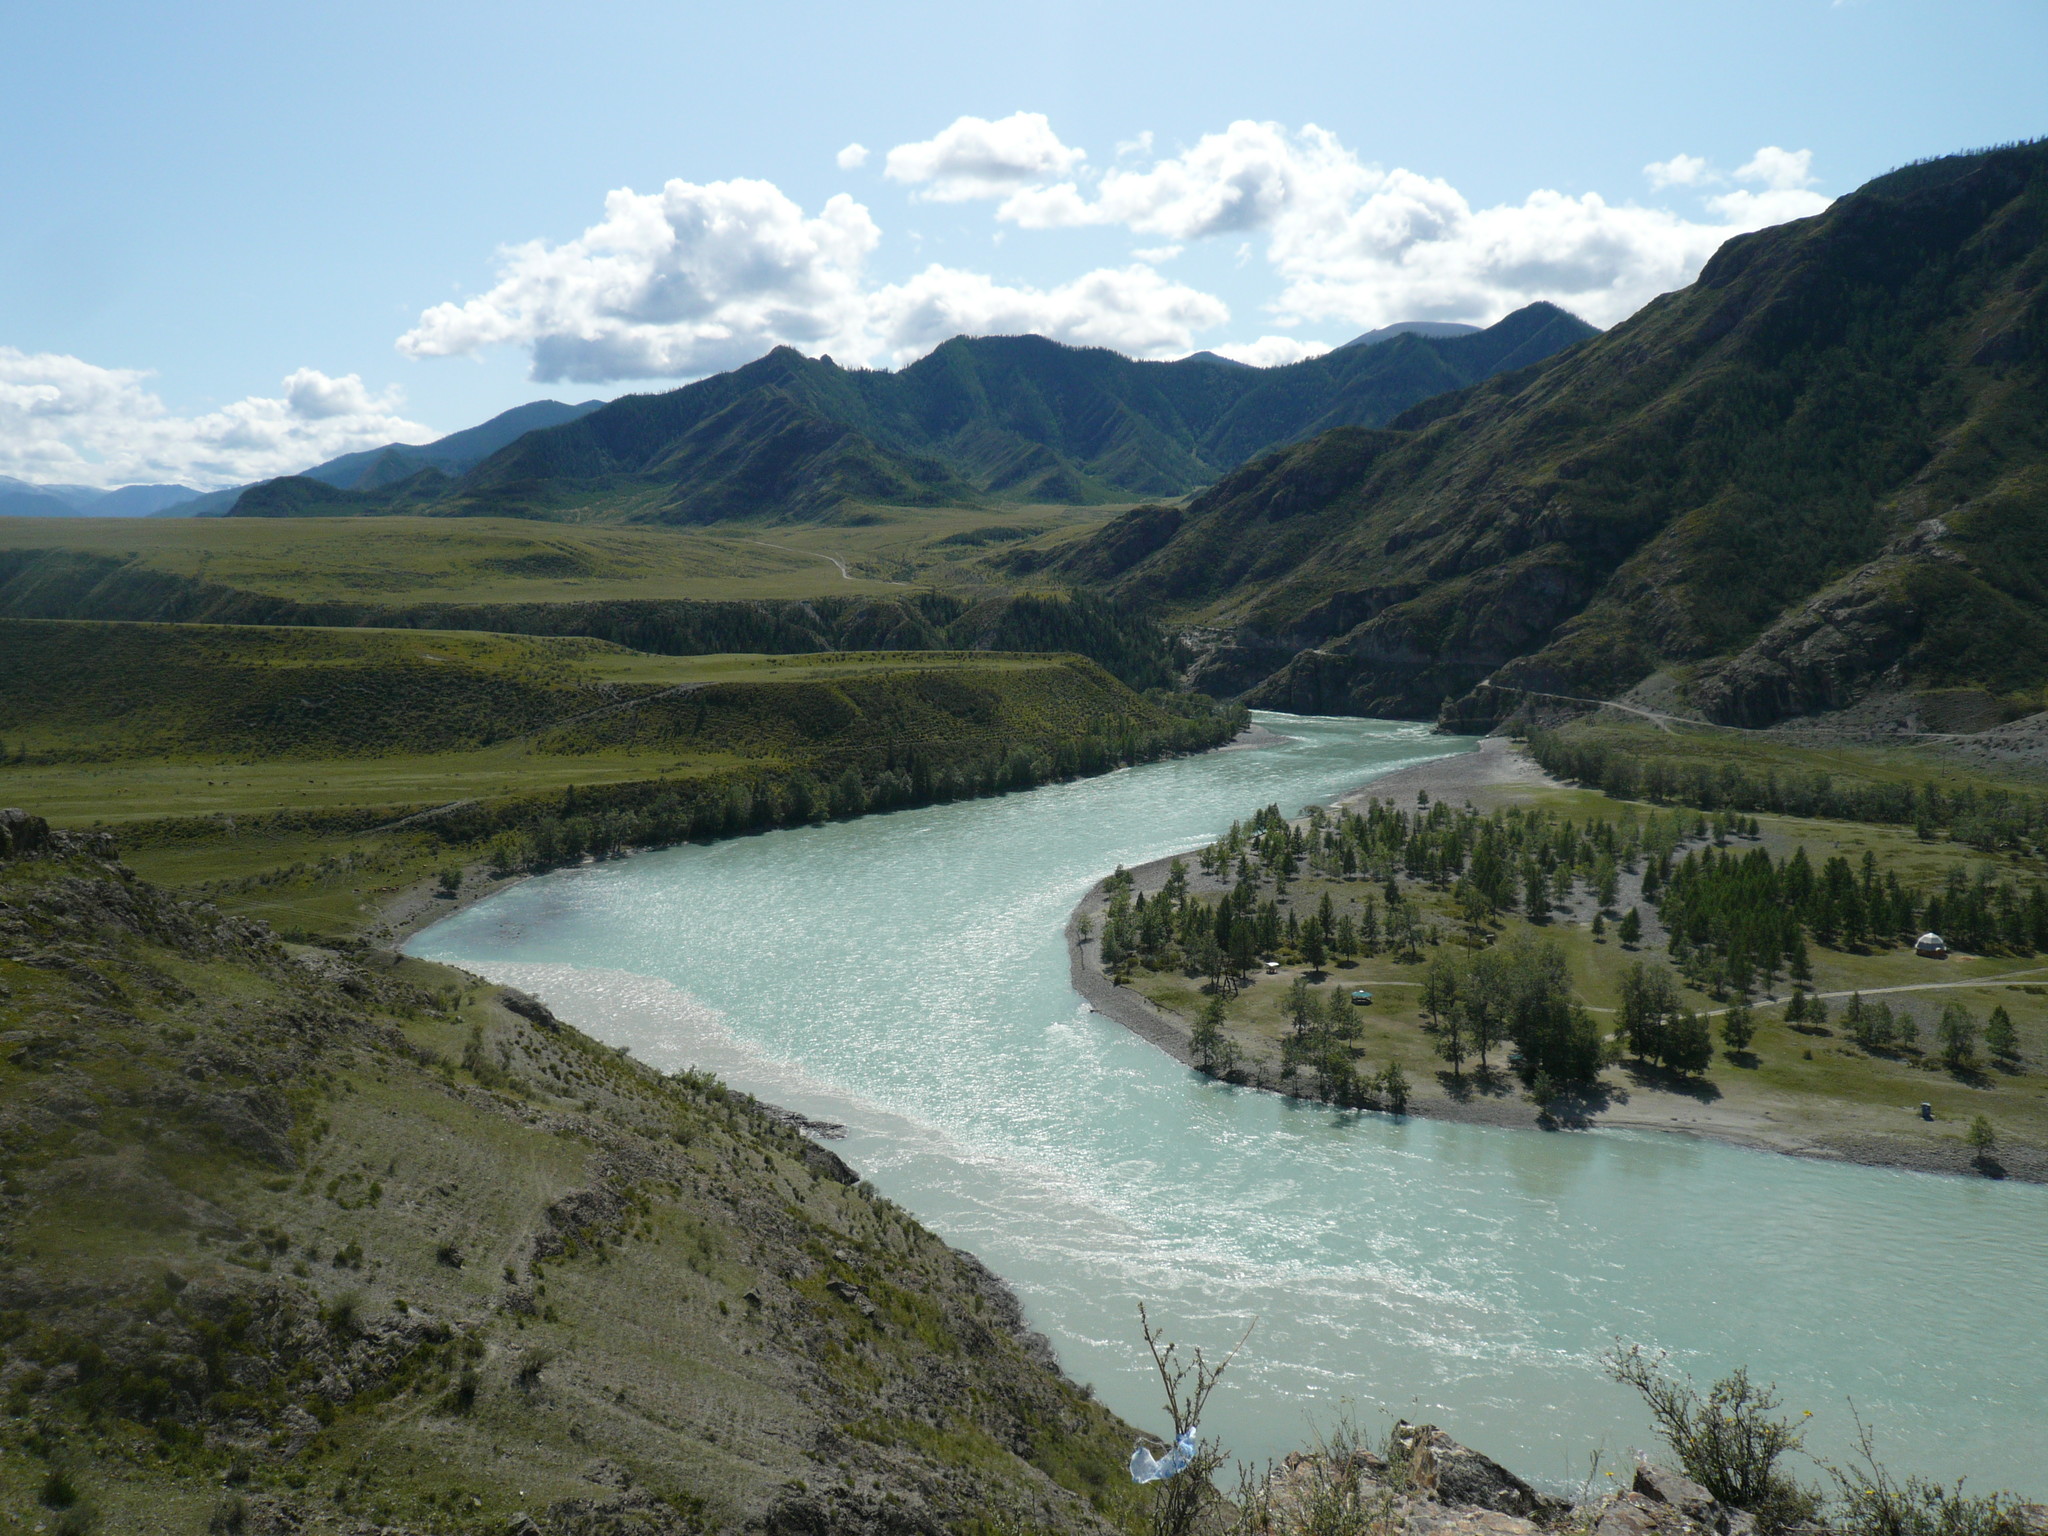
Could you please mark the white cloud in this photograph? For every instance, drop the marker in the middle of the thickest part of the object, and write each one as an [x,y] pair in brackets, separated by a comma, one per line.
[1271,351]
[64,420]
[1678,171]
[1781,170]
[973,157]
[685,281]
[1132,310]
[1366,245]
[1241,179]
[698,278]
[853,157]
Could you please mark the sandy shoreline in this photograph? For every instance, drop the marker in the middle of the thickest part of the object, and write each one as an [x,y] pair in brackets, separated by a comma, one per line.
[1491,775]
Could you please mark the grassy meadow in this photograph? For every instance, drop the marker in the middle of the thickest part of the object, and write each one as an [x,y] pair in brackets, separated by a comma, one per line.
[1802,1085]
[406,561]
[307,775]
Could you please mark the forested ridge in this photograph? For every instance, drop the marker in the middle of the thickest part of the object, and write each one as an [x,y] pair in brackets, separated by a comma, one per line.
[990,418]
[1816,471]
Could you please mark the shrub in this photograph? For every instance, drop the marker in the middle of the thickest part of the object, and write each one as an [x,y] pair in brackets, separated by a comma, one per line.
[1872,1504]
[58,1491]
[1729,1441]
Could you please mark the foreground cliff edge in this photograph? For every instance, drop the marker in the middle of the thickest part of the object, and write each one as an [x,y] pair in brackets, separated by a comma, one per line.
[297,1242]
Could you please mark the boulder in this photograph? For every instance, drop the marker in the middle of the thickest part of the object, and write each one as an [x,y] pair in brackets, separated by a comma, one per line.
[22,836]
[1440,1468]
[1666,1503]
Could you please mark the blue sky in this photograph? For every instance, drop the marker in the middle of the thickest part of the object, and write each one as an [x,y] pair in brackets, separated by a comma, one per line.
[240,238]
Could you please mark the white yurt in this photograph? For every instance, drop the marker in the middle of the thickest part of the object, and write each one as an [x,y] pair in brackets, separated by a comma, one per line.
[1933,945]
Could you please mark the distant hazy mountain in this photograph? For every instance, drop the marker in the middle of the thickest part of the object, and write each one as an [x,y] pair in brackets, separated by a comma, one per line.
[372,469]
[1438,329]
[994,418]
[18,498]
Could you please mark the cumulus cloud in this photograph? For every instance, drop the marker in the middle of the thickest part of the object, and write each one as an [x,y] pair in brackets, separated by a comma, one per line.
[1231,182]
[1368,245]
[973,157]
[1678,171]
[1271,351]
[64,420]
[1132,310]
[696,279]
[853,157]
[1781,170]
[688,280]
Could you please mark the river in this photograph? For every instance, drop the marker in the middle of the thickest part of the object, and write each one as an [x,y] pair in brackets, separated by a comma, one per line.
[905,975]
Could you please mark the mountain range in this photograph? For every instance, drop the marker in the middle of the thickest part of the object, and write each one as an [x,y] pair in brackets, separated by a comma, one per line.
[1017,419]
[1819,471]
[19,498]
[370,469]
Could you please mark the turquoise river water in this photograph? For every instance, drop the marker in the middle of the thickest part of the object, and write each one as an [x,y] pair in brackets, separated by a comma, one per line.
[905,975]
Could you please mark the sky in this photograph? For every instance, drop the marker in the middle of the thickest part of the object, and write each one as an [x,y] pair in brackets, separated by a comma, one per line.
[238,239]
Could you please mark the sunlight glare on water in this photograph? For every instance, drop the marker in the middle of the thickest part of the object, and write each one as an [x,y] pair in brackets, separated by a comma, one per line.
[905,974]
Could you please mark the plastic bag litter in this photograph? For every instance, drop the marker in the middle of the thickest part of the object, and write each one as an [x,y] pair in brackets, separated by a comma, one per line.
[1147,1468]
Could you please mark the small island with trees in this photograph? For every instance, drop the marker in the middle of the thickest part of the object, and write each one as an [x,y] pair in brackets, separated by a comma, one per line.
[1510,948]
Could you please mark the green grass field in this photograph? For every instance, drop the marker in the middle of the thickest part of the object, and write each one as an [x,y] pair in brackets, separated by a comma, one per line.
[400,561]
[304,774]
[1795,1083]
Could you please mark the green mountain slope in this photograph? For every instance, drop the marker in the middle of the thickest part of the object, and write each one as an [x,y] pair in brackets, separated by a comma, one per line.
[369,469]
[298,1241]
[1005,418]
[1819,470]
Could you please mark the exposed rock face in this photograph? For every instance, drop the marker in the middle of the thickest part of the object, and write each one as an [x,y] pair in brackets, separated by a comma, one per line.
[22,835]
[1822,656]
[1430,1485]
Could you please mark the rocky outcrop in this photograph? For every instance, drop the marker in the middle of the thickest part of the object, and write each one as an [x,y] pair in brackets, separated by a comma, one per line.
[1427,1484]
[22,836]
[1822,656]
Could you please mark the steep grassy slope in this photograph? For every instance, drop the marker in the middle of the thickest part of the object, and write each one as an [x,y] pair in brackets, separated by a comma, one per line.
[304,773]
[1012,418]
[1820,467]
[300,1242]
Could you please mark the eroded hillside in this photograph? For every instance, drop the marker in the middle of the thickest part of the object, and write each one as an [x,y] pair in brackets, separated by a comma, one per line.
[297,1240]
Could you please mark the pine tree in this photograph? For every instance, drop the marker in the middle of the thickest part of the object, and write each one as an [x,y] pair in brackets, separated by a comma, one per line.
[1957,1036]
[1208,1039]
[1738,1027]
[2000,1039]
[1393,1086]
[1631,930]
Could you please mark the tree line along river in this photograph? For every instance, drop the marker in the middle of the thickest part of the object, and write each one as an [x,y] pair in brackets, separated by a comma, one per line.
[906,975]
